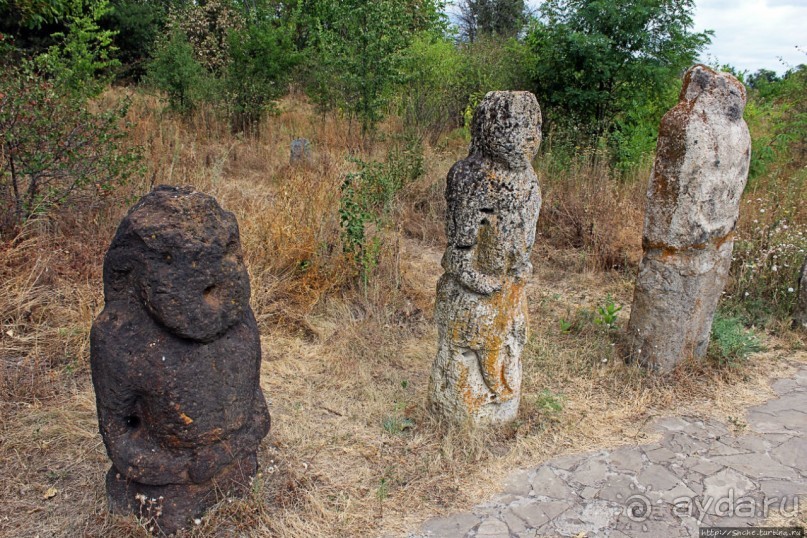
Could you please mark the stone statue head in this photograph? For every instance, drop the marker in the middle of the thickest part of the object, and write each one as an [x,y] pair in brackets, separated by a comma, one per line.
[701,82]
[178,253]
[506,127]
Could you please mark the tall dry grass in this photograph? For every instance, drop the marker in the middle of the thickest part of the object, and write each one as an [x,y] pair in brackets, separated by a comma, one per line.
[592,211]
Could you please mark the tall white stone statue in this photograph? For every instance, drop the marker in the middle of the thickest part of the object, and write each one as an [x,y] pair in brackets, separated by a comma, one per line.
[693,201]
[481,312]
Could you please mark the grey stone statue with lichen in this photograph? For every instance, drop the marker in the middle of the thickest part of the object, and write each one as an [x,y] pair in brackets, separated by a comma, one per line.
[493,201]
[693,199]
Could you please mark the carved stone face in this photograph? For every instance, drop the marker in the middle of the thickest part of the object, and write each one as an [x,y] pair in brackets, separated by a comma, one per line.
[180,256]
[507,128]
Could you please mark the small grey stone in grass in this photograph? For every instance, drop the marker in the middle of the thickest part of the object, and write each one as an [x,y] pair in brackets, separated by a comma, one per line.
[493,202]
[693,198]
[175,358]
[300,151]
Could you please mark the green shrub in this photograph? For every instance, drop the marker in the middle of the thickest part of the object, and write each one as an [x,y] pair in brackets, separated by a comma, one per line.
[52,149]
[367,201]
[81,61]
[261,59]
[731,342]
[175,70]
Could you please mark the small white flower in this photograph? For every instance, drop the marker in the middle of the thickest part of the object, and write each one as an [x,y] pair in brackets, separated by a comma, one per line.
[197,521]
[790,290]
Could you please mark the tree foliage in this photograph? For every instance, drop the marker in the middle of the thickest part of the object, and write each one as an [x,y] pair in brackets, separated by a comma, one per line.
[479,18]
[594,60]
[356,55]
[52,149]
[262,57]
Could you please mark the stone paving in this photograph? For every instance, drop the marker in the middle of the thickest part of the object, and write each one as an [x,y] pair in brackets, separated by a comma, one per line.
[698,475]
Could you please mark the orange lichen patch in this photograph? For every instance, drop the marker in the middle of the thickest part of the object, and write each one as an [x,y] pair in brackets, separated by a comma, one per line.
[472,403]
[504,304]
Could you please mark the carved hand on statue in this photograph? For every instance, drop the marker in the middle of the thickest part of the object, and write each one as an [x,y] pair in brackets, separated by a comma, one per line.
[459,263]
[479,283]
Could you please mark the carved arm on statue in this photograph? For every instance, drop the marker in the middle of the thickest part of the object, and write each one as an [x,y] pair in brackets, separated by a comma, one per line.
[458,261]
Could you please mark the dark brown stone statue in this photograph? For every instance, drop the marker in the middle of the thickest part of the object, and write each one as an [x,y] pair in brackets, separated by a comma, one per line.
[175,359]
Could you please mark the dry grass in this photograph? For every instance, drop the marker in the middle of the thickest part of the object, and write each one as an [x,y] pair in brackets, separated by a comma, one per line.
[590,210]
[353,450]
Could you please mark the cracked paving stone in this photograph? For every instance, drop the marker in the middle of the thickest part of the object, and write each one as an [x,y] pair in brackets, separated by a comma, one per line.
[777,491]
[660,455]
[545,483]
[756,466]
[684,444]
[695,472]
[493,528]
[451,527]
[792,453]
[518,483]
[537,514]
[657,478]
[618,489]
[626,459]
[590,518]
[726,482]
[591,472]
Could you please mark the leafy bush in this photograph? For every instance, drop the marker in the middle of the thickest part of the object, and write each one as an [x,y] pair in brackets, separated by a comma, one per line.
[367,202]
[81,62]
[53,150]
[137,26]
[176,71]
[207,26]
[261,59]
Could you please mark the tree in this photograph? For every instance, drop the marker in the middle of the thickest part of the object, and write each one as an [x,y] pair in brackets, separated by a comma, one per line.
[80,61]
[175,70]
[357,53]
[261,59]
[594,60]
[52,149]
[137,25]
[503,18]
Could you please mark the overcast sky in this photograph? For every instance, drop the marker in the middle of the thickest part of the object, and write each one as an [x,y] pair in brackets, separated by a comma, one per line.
[752,34]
